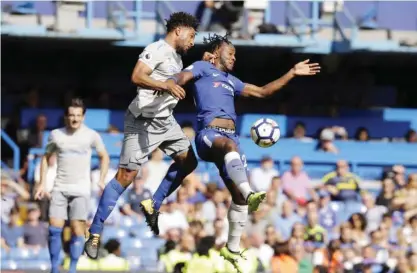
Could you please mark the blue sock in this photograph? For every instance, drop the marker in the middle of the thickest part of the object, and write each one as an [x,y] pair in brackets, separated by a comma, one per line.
[55,246]
[108,201]
[76,249]
[169,184]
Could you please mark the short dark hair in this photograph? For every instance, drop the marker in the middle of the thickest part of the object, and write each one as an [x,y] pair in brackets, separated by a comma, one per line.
[181,19]
[213,42]
[76,102]
[112,245]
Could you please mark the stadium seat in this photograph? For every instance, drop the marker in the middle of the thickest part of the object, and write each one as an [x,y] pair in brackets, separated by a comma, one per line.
[110,232]
[141,231]
[21,254]
[4,255]
[43,254]
[9,265]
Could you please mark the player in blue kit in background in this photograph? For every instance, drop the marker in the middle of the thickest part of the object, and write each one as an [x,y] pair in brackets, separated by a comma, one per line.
[216,140]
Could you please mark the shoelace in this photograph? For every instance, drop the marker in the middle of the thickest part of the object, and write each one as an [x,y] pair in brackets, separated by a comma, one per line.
[95,241]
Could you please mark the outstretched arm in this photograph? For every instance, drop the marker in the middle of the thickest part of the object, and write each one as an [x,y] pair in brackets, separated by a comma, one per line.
[194,71]
[301,69]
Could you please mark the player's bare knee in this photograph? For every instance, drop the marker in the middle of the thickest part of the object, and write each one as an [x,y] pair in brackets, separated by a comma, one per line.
[125,176]
[187,161]
[77,227]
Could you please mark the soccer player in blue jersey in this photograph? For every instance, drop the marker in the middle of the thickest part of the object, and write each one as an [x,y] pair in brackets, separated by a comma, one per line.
[216,140]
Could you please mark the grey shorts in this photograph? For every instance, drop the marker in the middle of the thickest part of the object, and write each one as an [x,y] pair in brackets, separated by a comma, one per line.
[142,136]
[63,205]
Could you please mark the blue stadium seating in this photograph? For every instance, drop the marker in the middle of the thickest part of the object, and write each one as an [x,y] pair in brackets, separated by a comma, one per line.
[382,123]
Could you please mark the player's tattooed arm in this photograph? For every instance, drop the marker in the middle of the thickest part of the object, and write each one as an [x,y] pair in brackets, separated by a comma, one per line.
[300,69]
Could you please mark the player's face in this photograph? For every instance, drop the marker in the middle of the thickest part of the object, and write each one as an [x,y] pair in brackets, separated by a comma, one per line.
[227,56]
[186,36]
[75,117]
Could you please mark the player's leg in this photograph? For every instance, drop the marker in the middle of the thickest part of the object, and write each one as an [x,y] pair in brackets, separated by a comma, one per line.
[58,213]
[78,213]
[237,217]
[178,147]
[138,143]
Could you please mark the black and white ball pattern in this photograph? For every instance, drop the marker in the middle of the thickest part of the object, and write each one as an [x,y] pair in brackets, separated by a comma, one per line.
[265,132]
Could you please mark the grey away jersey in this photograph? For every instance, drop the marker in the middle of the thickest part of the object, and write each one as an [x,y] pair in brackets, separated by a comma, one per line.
[74,158]
[165,62]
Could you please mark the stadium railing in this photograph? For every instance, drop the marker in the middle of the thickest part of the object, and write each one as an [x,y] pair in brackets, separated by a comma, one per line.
[15,149]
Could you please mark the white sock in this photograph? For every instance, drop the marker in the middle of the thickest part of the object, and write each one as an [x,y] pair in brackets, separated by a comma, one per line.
[237,217]
[237,172]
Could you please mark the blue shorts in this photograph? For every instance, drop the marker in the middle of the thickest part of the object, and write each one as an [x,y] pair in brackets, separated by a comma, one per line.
[204,140]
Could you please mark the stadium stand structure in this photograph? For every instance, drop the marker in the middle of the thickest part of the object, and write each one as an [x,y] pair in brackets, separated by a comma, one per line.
[367,159]
[308,26]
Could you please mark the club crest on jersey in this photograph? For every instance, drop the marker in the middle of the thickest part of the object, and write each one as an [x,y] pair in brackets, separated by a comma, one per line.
[147,56]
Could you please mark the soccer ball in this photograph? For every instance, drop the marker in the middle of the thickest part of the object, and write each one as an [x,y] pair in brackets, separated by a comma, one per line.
[265,132]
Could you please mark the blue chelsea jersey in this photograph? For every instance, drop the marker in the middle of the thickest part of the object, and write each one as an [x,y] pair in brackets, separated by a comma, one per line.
[214,92]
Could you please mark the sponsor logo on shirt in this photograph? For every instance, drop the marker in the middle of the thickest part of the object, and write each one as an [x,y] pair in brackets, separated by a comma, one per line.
[223,85]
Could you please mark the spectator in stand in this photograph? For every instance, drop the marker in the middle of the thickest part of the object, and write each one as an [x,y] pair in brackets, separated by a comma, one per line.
[411,136]
[373,212]
[327,214]
[406,198]
[134,196]
[326,143]
[387,193]
[296,183]
[35,233]
[276,186]
[282,261]
[12,232]
[412,261]
[257,222]
[298,233]
[259,249]
[35,137]
[261,177]
[271,235]
[344,189]
[171,217]
[346,236]
[286,220]
[113,261]
[359,224]
[299,132]
[156,168]
[223,16]
[181,254]
[304,263]
[362,134]
[11,192]
[314,232]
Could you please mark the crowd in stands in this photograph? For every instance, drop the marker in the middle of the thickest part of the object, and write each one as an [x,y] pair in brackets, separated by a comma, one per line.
[304,226]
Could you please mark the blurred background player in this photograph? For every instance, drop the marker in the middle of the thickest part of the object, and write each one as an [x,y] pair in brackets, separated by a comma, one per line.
[72,188]
[149,125]
[216,141]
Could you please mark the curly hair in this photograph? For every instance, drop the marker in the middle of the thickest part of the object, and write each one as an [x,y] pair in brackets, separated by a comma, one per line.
[213,42]
[181,19]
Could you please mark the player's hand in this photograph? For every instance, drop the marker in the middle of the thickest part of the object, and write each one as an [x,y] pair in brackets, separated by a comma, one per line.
[304,68]
[209,57]
[101,185]
[175,90]
[41,193]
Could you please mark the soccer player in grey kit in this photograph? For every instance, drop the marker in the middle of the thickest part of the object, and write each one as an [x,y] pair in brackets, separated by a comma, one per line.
[149,125]
[70,196]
